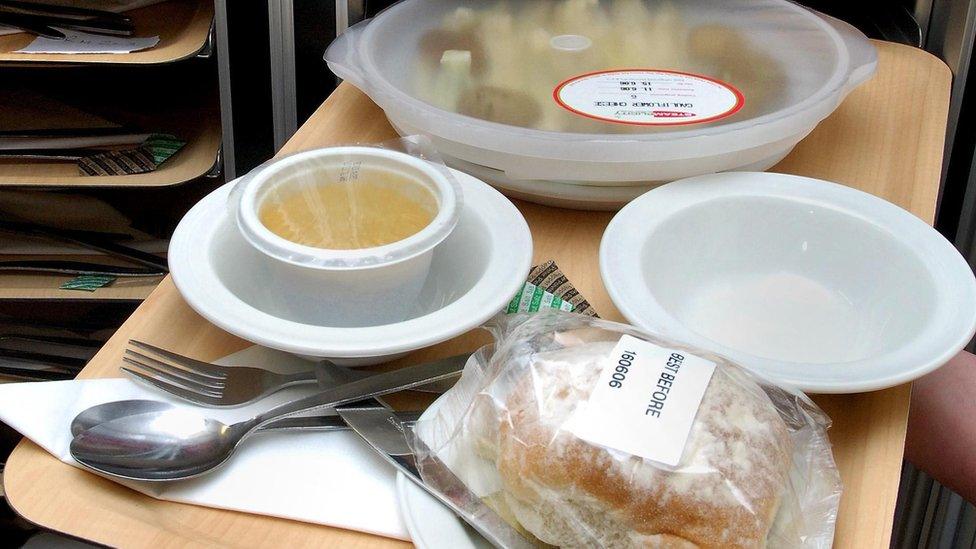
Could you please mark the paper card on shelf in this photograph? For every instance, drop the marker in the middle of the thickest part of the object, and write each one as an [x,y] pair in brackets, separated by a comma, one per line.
[83,42]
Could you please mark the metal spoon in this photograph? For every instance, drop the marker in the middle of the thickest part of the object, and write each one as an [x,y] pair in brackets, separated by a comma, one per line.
[176,444]
[109,411]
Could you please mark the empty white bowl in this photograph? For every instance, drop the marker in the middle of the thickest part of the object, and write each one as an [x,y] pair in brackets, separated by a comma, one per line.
[809,283]
[474,273]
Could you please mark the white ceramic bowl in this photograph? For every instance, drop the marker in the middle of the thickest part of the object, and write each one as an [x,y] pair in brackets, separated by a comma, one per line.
[357,287]
[473,275]
[809,283]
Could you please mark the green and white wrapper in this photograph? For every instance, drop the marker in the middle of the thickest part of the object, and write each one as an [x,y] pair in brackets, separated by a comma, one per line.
[548,288]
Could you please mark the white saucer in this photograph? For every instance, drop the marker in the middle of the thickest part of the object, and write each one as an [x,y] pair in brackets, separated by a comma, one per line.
[430,523]
[474,274]
[810,283]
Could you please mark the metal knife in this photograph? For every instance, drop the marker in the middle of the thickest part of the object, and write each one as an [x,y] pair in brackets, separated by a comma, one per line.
[87,239]
[31,24]
[383,431]
[334,373]
[83,19]
[42,360]
[68,347]
[105,412]
[60,266]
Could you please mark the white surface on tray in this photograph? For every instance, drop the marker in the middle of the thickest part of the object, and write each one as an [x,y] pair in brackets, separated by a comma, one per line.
[325,478]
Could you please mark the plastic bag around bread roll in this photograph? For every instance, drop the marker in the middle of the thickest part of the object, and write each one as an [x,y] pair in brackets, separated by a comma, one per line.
[585,433]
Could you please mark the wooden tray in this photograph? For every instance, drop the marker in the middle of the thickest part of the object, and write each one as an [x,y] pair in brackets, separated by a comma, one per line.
[183,27]
[887,139]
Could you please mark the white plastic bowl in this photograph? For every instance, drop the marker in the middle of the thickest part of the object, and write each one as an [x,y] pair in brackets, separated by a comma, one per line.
[809,283]
[357,287]
[474,274]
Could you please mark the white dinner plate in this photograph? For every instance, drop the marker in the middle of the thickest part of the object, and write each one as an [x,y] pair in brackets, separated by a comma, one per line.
[809,283]
[474,274]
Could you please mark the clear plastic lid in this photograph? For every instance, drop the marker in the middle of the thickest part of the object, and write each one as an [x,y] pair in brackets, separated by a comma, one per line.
[345,236]
[349,207]
[609,80]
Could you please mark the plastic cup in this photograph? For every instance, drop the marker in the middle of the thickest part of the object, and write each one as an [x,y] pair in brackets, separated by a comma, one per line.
[346,287]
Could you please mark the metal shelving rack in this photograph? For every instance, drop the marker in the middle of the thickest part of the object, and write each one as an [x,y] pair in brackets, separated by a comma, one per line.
[129,87]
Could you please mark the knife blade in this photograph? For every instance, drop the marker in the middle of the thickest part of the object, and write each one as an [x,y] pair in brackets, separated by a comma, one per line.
[83,19]
[66,12]
[43,360]
[383,431]
[325,423]
[31,24]
[101,413]
[60,346]
[332,373]
[60,266]
[87,239]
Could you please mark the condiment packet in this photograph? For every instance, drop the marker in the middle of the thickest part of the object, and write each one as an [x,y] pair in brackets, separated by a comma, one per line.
[548,288]
[88,283]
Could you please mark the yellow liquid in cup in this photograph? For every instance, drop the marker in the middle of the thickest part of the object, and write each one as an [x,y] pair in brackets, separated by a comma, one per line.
[375,209]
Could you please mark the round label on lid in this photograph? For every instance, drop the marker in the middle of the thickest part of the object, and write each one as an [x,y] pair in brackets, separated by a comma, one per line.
[647,97]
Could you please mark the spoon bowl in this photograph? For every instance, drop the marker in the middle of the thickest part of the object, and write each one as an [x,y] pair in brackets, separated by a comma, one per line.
[157,445]
[108,411]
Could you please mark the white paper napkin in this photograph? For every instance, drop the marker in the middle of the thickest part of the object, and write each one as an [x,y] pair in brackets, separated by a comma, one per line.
[329,478]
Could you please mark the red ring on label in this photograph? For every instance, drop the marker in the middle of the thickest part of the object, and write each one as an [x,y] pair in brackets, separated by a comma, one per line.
[740,99]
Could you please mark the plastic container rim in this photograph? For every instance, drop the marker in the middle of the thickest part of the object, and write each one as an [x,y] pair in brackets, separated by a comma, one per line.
[809,105]
[281,249]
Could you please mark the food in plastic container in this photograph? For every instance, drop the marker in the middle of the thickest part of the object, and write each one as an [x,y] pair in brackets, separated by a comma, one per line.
[606,93]
[346,235]
[587,433]
[497,64]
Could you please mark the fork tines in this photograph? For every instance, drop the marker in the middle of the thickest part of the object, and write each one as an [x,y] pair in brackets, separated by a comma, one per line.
[184,377]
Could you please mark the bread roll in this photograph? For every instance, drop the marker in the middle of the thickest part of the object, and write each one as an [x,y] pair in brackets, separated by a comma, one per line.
[571,493]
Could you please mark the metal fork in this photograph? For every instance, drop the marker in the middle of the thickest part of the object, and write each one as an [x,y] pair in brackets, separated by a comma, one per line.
[213,385]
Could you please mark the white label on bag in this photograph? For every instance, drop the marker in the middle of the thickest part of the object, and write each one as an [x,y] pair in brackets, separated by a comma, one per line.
[645,401]
[644,97]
